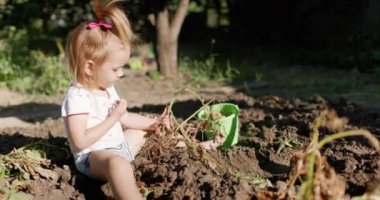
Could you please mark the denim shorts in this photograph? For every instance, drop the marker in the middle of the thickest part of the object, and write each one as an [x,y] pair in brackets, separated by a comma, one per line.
[83,164]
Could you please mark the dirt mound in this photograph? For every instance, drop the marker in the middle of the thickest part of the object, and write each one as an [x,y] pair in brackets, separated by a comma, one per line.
[272,130]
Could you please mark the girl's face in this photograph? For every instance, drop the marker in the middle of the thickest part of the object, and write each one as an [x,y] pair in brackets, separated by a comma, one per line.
[112,68]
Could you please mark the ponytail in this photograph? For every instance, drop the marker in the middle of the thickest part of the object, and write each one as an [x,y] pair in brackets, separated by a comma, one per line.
[120,23]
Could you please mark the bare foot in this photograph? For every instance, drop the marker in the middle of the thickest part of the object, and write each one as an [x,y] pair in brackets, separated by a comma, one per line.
[210,144]
[181,144]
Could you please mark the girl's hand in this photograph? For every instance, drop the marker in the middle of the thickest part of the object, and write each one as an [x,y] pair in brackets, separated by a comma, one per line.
[120,108]
[165,119]
[161,124]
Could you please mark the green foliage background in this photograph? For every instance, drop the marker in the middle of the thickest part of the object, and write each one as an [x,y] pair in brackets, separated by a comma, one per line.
[31,40]
[340,33]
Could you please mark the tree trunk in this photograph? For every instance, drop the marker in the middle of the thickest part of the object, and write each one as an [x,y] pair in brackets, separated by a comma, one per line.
[167,38]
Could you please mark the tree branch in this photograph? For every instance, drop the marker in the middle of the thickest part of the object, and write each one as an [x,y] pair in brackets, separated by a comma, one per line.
[178,18]
[162,26]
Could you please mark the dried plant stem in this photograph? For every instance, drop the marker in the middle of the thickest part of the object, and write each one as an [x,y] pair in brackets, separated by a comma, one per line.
[314,157]
[310,176]
[312,154]
[360,132]
[179,128]
[191,116]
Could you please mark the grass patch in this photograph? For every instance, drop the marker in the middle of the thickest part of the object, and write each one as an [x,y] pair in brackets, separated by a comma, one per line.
[25,163]
[203,72]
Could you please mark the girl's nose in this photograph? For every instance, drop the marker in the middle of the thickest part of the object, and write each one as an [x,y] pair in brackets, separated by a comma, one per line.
[121,73]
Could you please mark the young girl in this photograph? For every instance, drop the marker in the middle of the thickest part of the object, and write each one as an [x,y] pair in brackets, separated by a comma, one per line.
[103,136]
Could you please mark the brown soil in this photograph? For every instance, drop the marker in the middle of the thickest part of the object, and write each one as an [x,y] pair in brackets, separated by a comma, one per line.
[236,173]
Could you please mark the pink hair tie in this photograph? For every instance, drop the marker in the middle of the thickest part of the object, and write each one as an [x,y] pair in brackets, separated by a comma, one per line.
[101,23]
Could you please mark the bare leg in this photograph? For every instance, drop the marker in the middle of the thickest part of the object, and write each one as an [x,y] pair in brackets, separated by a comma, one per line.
[117,171]
[209,144]
[135,139]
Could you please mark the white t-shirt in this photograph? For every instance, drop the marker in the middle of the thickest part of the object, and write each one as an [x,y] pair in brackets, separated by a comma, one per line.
[79,100]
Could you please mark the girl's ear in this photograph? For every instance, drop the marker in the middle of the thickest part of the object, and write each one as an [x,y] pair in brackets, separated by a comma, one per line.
[89,67]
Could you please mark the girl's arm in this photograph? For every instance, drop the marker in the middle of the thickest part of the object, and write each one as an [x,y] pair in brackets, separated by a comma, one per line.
[136,121]
[82,137]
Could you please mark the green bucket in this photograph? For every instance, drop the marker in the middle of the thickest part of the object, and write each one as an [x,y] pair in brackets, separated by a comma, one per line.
[228,123]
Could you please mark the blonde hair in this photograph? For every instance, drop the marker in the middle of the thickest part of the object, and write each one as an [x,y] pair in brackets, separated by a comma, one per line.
[84,43]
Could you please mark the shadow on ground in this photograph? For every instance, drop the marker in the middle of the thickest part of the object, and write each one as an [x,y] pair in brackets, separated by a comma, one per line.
[32,112]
